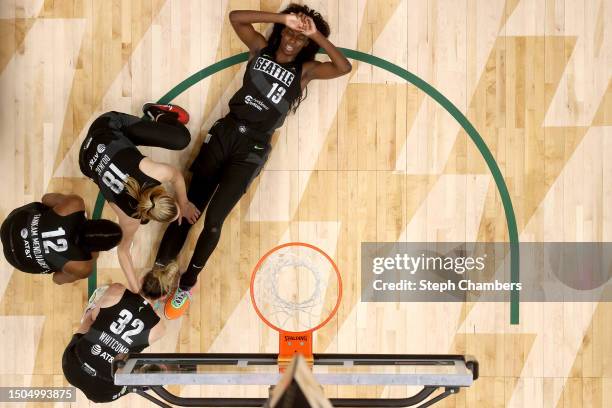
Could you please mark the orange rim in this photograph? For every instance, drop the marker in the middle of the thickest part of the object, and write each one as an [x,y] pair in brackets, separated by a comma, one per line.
[276,248]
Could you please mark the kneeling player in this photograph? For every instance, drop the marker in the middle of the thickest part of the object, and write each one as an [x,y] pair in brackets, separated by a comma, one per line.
[54,236]
[120,322]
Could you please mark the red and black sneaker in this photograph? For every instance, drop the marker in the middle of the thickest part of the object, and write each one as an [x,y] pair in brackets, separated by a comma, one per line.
[153,110]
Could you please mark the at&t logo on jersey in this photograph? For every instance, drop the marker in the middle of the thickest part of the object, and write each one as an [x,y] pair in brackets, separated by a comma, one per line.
[256,103]
[100,148]
[96,349]
[109,358]
[24,233]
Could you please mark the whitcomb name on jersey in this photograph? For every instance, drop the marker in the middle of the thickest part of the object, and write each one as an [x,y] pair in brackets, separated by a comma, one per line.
[112,343]
[274,70]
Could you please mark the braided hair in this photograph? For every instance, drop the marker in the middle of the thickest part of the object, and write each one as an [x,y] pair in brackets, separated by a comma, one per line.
[99,235]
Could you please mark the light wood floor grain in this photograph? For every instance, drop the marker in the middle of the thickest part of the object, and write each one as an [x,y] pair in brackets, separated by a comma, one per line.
[367,158]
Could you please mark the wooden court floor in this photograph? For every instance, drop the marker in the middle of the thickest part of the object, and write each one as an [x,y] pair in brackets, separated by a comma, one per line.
[367,157]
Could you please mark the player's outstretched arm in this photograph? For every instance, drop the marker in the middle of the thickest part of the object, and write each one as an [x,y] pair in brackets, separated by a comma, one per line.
[129,226]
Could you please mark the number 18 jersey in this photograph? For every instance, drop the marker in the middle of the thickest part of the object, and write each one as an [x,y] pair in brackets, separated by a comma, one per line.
[108,157]
[268,90]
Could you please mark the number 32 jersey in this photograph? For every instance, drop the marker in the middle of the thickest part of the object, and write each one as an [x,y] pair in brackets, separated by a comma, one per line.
[108,157]
[268,90]
[121,328]
[35,239]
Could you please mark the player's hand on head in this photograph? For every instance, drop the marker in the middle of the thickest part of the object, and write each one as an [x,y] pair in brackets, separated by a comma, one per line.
[309,28]
[190,212]
[293,22]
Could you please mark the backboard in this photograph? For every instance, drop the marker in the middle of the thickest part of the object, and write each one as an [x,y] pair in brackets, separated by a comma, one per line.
[141,371]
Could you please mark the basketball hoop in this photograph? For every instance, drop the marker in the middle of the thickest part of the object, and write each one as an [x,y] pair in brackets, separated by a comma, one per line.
[295,289]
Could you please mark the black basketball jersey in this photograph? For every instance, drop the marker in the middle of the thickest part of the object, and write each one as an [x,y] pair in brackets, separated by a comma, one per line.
[38,240]
[109,158]
[268,89]
[121,328]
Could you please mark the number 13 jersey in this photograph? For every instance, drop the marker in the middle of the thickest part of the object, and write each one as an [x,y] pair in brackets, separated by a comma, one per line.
[268,90]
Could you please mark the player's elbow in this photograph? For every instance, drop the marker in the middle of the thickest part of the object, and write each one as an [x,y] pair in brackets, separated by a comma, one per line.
[57,279]
[77,201]
[346,68]
[123,249]
[61,278]
[233,16]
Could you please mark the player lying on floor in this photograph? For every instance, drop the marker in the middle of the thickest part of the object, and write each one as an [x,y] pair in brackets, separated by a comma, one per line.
[237,146]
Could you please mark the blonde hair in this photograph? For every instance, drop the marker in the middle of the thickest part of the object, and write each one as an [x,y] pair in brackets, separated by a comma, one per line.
[154,203]
[160,280]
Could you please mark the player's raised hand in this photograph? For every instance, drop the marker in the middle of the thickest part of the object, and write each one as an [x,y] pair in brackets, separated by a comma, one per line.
[307,26]
[293,22]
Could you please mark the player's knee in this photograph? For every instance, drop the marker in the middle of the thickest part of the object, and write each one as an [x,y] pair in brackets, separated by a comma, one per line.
[180,140]
[213,227]
[183,139]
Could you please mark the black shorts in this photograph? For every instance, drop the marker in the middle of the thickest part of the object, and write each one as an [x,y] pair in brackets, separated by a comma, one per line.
[233,149]
[95,389]
[7,234]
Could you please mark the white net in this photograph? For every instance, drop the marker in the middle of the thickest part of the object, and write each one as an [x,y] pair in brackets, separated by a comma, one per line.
[296,288]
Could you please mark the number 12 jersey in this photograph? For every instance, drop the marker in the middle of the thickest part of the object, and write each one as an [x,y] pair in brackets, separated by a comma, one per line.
[38,240]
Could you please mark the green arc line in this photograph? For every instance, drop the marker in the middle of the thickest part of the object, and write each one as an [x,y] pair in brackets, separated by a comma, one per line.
[429,90]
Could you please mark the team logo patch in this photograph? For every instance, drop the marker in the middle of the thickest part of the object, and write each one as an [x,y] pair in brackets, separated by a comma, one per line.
[101,148]
[242,129]
[24,233]
[87,142]
[89,369]
[96,349]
